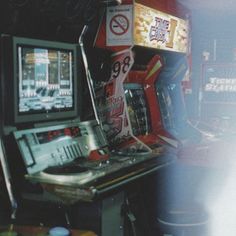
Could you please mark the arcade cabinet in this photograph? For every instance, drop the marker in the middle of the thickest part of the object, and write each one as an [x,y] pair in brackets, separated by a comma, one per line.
[41,127]
[53,157]
[156,36]
[152,114]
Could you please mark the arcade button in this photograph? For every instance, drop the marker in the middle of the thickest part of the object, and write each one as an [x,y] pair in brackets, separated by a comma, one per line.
[59,231]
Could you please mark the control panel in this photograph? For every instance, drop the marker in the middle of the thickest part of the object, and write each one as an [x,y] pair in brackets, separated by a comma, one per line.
[58,145]
[68,160]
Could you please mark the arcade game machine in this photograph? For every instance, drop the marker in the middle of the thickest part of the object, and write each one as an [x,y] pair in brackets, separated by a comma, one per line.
[41,129]
[169,34]
[126,109]
[49,154]
[144,102]
[144,96]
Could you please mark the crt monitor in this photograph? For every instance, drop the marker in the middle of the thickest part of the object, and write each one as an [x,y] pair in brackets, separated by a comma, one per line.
[40,79]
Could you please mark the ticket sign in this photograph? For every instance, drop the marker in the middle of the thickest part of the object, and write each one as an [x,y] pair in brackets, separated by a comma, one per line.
[155,29]
[219,83]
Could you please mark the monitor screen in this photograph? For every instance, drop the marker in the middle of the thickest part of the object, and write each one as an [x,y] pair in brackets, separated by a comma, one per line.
[170,95]
[137,108]
[172,104]
[44,80]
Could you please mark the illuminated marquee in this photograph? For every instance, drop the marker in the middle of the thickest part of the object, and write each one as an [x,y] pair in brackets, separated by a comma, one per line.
[159,30]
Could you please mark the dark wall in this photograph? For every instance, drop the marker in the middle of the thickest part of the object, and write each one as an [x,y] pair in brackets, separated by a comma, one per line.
[47,19]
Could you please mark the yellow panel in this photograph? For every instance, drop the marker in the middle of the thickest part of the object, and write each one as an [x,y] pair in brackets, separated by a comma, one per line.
[159,30]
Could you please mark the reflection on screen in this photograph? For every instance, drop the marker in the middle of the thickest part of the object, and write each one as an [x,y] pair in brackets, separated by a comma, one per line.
[173,112]
[45,79]
[167,107]
[137,109]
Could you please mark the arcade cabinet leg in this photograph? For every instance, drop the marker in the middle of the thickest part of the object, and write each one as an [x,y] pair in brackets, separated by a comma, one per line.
[112,217]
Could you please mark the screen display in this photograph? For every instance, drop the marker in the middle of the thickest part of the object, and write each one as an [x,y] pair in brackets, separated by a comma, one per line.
[45,80]
[137,109]
[173,113]
[166,100]
[170,94]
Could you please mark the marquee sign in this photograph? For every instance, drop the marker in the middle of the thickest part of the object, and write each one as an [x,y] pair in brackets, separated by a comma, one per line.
[155,29]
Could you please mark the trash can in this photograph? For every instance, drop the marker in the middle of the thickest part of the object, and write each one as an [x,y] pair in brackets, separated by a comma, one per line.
[183,221]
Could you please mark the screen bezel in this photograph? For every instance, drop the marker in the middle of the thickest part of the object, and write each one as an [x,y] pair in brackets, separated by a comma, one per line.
[43,116]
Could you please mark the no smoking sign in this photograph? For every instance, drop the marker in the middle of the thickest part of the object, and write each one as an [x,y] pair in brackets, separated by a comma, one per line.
[118,25]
